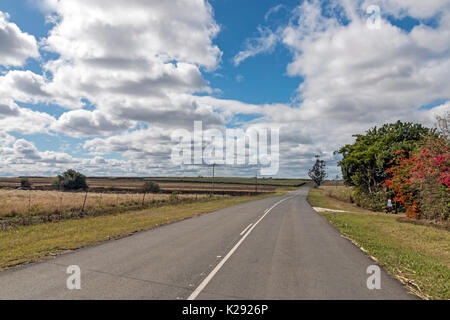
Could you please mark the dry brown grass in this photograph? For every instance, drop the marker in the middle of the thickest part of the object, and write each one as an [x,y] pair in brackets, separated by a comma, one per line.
[32,202]
[342,193]
[36,242]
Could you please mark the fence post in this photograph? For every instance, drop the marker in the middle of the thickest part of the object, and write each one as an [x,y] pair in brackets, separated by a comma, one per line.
[143,198]
[60,201]
[84,202]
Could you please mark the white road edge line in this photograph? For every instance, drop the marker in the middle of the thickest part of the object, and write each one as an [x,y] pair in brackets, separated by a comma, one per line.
[243,231]
[205,282]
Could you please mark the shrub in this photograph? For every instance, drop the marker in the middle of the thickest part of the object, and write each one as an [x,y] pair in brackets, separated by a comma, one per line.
[173,197]
[375,201]
[421,180]
[25,183]
[152,187]
[71,180]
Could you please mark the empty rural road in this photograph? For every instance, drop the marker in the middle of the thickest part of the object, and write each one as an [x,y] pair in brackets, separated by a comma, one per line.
[276,248]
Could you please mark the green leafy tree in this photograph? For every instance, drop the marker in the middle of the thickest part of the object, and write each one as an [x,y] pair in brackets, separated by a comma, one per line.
[317,172]
[71,180]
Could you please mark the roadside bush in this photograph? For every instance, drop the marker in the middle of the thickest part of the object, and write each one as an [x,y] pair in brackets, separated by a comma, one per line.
[375,201]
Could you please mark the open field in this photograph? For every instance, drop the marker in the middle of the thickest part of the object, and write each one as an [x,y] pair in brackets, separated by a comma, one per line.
[14,202]
[182,184]
[105,196]
[37,242]
[418,255]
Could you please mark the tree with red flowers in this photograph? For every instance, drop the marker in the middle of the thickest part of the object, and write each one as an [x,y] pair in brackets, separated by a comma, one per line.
[421,179]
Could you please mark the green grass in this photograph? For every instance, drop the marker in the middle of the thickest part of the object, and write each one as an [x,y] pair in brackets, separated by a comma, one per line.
[34,243]
[418,255]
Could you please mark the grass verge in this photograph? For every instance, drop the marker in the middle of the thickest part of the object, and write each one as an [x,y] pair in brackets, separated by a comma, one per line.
[37,242]
[418,255]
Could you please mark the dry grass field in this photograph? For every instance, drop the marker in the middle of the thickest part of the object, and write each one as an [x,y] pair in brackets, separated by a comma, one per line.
[14,202]
[33,243]
[114,194]
[339,192]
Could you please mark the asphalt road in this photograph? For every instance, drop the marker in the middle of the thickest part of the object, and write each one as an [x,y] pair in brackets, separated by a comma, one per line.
[276,248]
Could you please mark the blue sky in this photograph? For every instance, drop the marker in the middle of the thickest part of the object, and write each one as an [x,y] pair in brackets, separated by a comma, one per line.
[101,87]
[264,78]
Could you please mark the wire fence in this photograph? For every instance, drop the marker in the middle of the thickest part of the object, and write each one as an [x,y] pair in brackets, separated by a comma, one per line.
[20,203]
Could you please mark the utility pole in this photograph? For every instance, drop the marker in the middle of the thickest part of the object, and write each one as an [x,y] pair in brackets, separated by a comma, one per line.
[256,181]
[212,187]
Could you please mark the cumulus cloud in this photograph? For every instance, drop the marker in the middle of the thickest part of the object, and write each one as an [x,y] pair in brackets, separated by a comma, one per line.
[23,120]
[130,72]
[355,77]
[130,49]
[84,123]
[353,72]
[16,45]
[21,157]
[129,59]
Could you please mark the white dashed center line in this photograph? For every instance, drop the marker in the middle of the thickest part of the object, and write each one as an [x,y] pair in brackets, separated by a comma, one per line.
[205,282]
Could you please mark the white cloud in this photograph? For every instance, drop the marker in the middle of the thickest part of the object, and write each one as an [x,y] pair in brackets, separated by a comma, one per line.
[16,46]
[355,77]
[23,120]
[353,72]
[131,60]
[130,49]
[265,42]
[84,123]
[273,10]
[139,65]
